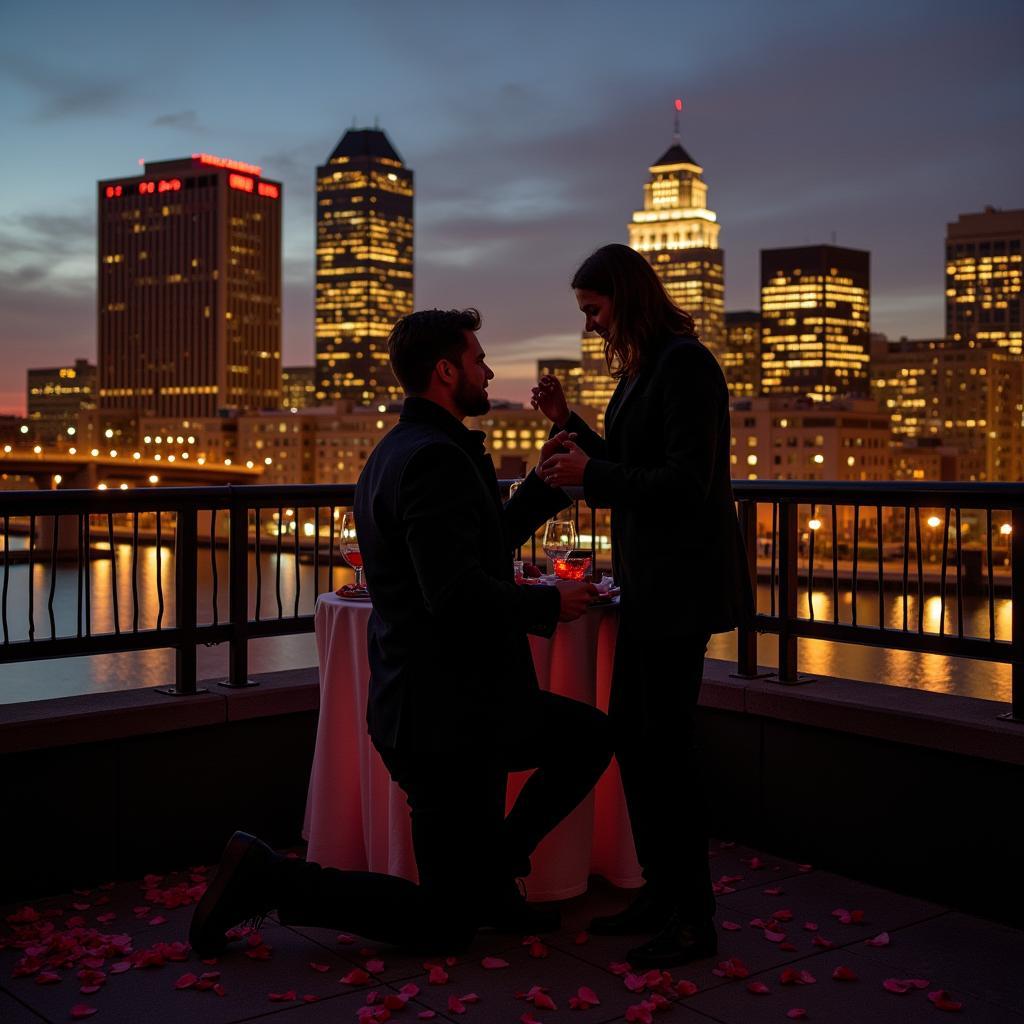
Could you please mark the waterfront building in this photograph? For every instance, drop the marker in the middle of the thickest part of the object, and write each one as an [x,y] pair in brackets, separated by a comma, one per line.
[984,296]
[740,356]
[794,438]
[56,396]
[815,316]
[568,371]
[678,235]
[189,290]
[962,395]
[298,387]
[364,266]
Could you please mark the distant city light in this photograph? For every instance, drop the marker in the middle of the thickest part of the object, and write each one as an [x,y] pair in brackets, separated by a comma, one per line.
[124,487]
[95,452]
[819,458]
[933,521]
[38,449]
[72,451]
[267,461]
[7,449]
[113,453]
[153,478]
[108,432]
[248,463]
[102,487]
[57,478]
[815,524]
[308,529]
[1006,529]
[136,455]
[71,431]
[24,429]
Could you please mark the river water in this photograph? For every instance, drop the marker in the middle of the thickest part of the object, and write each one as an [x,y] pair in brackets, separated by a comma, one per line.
[63,677]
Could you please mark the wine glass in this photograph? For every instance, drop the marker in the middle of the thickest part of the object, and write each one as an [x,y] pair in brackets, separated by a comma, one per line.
[559,540]
[350,546]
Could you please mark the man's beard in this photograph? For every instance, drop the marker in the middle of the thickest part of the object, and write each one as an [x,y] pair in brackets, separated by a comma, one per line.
[471,401]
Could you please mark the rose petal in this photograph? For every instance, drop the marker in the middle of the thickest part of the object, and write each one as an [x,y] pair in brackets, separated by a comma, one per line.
[895,985]
[375,966]
[797,1013]
[80,1011]
[426,1015]
[544,1002]
[942,1000]
[438,976]
[842,973]
[322,968]
[538,950]
[731,926]
[759,988]
[773,891]
[774,936]
[619,968]
[455,1005]
[493,963]
[685,988]
[881,939]
[783,915]
[357,976]
[186,981]
[582,938]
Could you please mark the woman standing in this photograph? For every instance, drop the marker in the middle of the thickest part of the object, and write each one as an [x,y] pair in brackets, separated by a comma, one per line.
[663,470]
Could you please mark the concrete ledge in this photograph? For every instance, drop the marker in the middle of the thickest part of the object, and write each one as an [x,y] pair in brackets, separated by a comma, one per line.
[936,721]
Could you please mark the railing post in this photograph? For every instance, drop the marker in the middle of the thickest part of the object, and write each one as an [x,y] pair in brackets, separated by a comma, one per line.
[1017,617]
[787,591]
[746,635]
[185,581]
[238,597]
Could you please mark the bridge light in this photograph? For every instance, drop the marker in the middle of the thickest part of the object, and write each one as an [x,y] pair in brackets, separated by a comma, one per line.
[108,432]
[184,455]
[153,478]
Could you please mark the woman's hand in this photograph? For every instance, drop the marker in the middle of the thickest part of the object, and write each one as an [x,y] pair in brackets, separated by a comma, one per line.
[547,395]
[555,446]
[565,470]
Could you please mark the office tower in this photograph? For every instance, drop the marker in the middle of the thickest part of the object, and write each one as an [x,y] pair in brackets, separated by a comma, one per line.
[298,387]
[189,290]
[56,395]
[815,314]
[984,300]
[678,235]
[740,356]
[568,371]
[962,397]
[596,384]
[364,266]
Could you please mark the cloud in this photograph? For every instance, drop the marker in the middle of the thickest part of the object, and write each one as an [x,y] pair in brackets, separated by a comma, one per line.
[185,120]
[64,93]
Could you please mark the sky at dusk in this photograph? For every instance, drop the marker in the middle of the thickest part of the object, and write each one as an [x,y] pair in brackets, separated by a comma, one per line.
[529,126]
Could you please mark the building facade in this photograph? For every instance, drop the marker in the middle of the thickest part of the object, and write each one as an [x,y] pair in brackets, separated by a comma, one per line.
[569,372]
[56,397]
[364,266]
[298,387]
[984,297]
[189,290]
[960,395]
[815,322]
[678,235]
[597,385]
[740,356]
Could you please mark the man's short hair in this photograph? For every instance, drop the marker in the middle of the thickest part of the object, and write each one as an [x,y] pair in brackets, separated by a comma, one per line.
[419,340]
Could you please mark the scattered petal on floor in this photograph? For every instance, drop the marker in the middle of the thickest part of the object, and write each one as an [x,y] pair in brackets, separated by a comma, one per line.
[731,926]
[842,973]
[882,939]
[80,1011]
[493,963]
[759,988]
[942,1000]
[797,1013]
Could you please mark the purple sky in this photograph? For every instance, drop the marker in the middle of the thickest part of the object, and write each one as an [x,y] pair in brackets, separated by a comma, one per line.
[530,129]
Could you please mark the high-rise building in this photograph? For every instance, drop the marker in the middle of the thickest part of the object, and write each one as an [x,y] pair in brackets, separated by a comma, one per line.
[965,397]
[596,384]
[569,372]
[740,356]
[56,395]
[189,290]
[815,317]
[364,266]
[984,296]
[678,235]
[298,387]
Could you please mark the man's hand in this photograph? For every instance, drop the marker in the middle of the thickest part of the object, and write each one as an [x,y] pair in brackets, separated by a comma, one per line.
[547,395]
[555,446]
[576,598]
[564,470]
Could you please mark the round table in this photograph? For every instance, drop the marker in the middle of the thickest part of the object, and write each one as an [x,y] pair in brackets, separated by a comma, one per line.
[358,819]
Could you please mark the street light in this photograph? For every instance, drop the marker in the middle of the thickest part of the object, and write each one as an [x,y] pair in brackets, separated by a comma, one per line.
[814,524]
[934,521]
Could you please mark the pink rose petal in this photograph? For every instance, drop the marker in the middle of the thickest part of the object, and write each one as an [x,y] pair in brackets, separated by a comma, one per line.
[80,1011]
[322,968]
[895,985]
[731,926]
[881,939]
[797,1013]
[942,1000]
[759,988]
[186,981]
[685,988]
[842,973]
[357,976]
[774,936]
[375,966]
[455,1005]
[493,963]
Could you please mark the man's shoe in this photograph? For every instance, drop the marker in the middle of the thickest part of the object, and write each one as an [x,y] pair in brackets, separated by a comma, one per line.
[678,942]
[242,891]
[506,910]
[646,914]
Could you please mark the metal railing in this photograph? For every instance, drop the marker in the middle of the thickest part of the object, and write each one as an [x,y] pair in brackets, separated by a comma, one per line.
[866,532]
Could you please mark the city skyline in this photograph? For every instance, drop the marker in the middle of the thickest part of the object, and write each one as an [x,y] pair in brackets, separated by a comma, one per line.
[524,164]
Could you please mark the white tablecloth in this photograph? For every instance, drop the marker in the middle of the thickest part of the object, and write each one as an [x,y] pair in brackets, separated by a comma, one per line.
[358,819]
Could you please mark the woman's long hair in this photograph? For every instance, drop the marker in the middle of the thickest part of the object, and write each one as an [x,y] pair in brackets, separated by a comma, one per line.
[643,315]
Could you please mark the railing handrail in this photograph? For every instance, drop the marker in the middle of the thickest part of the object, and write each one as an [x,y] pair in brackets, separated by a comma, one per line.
[783,496]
